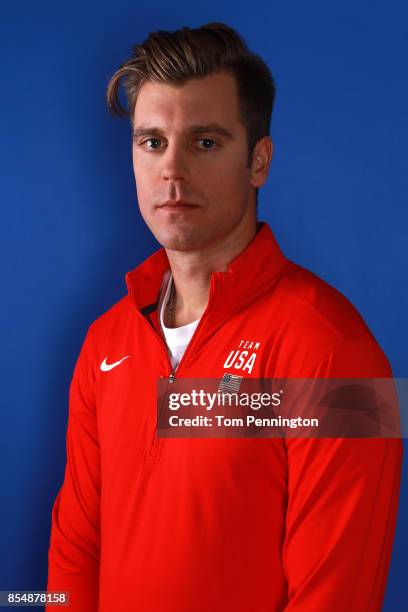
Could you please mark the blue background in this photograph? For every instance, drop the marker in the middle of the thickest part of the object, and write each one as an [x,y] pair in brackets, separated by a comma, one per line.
[336,200]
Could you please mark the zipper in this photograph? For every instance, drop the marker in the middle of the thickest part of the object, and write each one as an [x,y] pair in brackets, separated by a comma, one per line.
[155,445]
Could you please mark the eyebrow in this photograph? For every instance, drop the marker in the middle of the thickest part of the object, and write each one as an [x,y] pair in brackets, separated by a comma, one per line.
[214,128]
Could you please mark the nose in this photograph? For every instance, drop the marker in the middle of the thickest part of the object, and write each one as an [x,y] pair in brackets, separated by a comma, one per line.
[175,164]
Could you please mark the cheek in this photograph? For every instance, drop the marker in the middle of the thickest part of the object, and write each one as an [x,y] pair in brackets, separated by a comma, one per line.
[142,165]
[230,166]
[228,178]
[143,192]
[142,177]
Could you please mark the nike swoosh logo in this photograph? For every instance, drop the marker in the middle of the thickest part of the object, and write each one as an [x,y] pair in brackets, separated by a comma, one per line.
[105,367]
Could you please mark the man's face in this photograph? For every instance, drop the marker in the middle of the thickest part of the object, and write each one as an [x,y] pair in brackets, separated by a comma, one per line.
[189,145]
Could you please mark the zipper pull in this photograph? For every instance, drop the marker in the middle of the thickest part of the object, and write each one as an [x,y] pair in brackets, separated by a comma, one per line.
[172,377]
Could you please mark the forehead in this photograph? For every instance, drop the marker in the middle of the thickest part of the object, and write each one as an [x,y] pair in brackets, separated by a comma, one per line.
[212,99]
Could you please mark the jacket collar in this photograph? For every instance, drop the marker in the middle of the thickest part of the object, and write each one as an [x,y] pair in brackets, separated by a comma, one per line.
[248,276]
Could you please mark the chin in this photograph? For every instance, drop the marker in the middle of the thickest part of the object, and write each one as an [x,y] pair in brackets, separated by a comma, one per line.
[180,239]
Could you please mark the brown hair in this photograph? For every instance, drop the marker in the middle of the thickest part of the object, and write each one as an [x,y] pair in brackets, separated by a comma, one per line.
[175,57]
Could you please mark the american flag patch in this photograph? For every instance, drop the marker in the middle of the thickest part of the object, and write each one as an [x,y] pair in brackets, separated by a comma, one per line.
[230,383]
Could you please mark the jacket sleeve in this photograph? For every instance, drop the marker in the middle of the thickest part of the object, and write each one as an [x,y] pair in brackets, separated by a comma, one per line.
[342,505]
[74,550]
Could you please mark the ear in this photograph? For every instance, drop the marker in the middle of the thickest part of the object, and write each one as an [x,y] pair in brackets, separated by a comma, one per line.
[261,160]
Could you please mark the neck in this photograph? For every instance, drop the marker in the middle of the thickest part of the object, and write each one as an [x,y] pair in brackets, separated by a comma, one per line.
[192,272]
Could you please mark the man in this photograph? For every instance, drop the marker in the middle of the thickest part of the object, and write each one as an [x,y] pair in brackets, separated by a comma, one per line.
[150,524]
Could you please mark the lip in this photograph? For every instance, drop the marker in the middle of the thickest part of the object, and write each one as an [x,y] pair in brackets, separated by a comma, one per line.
[176,205]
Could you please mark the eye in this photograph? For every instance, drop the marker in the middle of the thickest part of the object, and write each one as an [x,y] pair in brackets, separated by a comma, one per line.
[155,143]
[208,143]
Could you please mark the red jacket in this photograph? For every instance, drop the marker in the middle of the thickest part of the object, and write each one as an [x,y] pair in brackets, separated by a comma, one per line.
[148,524]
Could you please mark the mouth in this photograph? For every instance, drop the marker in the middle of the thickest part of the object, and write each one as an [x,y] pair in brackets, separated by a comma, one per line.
[177,206]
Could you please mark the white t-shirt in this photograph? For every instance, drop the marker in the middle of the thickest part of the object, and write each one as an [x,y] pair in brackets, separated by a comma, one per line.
[177,338]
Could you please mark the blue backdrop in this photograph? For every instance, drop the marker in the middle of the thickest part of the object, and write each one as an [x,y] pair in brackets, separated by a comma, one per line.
[336,200]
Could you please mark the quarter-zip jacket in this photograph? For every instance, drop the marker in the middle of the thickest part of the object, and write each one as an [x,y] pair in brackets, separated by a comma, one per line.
[149,524]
